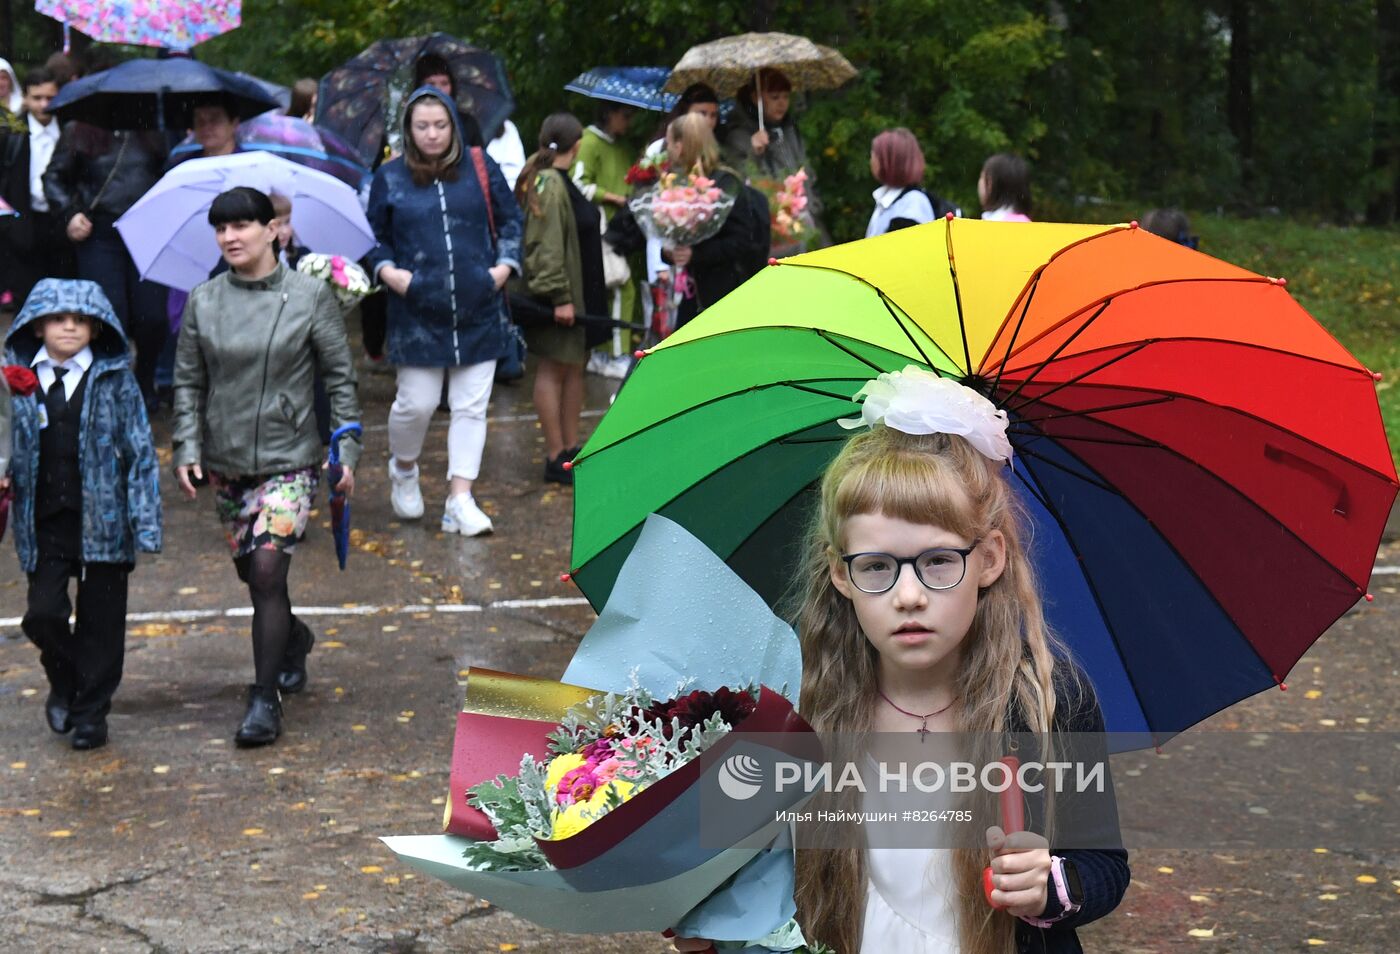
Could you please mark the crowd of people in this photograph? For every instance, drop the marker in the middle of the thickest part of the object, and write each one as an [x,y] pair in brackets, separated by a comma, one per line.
[258,367]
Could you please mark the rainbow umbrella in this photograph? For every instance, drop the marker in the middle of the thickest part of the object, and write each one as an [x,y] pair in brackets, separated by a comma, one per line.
[1204,465]
[171,24]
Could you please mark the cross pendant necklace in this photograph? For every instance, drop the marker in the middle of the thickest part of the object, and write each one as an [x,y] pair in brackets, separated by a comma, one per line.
[923,729]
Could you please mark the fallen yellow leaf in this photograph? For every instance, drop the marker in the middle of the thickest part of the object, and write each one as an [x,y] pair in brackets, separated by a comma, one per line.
[161,770]
[188,590]
[1165,870]
[1200,897]
[1327,897]
[310,896]
[1365,879]
[370,869]
[1312,694]
[276,770]
[389,629]
[357,728]
[61,833]
[29,692]
[30,812]
[252,832]
[1316,942]
[331,644]
[1202,932]
[509,947]
[18,765]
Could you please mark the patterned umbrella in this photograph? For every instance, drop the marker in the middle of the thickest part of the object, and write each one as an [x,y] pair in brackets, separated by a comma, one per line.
[171,24]
[640,86]
[297,140]
[362,99]
[729,63]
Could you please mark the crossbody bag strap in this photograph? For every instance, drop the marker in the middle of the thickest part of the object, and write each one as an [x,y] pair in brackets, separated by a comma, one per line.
[479,161]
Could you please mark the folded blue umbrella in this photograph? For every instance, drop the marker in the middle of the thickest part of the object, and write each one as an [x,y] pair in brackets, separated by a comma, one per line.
[340,505]
[638,86]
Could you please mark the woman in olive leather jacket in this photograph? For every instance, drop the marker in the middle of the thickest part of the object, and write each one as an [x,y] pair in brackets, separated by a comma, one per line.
[250,343]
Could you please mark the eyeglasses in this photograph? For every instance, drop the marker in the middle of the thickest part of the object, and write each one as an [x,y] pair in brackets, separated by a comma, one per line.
[941,568]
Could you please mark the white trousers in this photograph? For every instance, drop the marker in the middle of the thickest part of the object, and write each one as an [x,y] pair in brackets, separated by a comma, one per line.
[468,392]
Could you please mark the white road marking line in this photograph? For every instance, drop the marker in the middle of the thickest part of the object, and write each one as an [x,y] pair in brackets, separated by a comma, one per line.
[503,419]
[1385,570]
[189,616]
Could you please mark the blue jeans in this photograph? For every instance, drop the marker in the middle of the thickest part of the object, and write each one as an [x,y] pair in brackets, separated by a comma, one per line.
[140,305]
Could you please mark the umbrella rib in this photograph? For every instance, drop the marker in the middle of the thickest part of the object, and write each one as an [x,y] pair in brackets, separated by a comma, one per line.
[888,303]
[1030,488]
[957,294]
[1095,410]
[1109,296]
[1107,488]
[825,336]
[1037,434]
[1063,345]
[1001,368]
[1076,379]
[817,391]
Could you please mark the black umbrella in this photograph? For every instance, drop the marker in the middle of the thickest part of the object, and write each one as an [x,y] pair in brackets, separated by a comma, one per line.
[157,94]
[528,311]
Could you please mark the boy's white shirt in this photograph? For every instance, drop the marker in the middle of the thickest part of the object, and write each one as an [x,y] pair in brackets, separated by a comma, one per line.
[43,368]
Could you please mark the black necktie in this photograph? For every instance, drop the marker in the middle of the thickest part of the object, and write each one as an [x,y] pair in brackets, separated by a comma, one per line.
[56,400]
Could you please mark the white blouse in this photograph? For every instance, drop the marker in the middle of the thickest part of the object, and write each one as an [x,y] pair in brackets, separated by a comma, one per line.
[910,895]
[890,205]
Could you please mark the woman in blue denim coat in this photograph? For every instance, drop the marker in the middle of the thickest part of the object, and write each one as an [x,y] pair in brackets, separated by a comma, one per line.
[449,237]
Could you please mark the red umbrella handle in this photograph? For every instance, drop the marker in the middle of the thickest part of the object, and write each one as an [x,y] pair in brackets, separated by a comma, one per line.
[1013,818]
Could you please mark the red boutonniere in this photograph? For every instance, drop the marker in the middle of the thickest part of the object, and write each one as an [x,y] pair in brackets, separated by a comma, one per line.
[21,380]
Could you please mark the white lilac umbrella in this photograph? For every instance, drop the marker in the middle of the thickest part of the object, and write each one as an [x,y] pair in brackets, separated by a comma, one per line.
[169,237]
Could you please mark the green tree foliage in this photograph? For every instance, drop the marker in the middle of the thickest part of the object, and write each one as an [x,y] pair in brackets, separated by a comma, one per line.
[1107,99]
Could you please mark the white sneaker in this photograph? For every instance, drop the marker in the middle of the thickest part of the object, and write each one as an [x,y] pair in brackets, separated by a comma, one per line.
[618,366]
[597,363]
[404,495]
[462,515]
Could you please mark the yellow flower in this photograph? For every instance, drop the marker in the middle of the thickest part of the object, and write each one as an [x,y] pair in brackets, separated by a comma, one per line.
[560,766]
[578,816]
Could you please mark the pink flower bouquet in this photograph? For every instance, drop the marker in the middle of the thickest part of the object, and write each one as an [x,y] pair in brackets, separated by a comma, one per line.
[682,210]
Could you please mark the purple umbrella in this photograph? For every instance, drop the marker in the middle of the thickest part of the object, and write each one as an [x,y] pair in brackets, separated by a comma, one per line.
[298,141]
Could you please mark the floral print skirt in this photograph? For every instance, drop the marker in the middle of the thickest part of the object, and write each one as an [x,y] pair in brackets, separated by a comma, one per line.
[265,511]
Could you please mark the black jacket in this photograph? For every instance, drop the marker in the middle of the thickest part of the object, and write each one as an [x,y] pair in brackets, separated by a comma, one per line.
[85,174]
[17,230]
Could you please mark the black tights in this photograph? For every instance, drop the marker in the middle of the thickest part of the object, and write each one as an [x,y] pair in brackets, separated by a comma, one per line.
[265,572]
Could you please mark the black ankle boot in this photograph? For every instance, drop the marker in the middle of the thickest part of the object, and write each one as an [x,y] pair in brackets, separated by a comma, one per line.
[291,679]
[262,723]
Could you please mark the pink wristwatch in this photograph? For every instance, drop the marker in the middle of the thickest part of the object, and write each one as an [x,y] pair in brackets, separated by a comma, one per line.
[1067,891]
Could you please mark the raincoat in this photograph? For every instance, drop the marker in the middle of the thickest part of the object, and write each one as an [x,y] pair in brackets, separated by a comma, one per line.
[121,476]
[440,232]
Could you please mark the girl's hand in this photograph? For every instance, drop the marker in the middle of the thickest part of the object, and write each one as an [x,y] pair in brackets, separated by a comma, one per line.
[693,944]
[759,141]
[614,199]
[680,256]
[564,315]
[4,483]
[499,274]
[396,279]
[1020,871]
[182,477]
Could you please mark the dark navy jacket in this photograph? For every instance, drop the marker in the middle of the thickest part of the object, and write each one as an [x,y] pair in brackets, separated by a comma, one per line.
[440,232]
[120,473]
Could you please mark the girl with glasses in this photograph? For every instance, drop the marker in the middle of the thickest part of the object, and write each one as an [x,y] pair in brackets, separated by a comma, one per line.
[920,613]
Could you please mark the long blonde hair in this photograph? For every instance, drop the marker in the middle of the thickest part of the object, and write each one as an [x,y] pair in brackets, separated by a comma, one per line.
[1007,660]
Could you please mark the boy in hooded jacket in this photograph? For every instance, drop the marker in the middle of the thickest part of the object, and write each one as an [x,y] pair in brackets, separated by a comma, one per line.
[86,495]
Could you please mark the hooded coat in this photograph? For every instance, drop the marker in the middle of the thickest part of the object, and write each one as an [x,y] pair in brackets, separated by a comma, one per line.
[15,101]
[121,475]
[441,233]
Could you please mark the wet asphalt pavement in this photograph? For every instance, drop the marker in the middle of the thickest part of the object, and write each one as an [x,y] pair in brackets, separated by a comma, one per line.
[169,839]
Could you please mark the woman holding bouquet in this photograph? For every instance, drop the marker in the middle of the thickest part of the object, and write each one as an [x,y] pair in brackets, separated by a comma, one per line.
[563,268]
[251,341]
[449,237]
[739,249]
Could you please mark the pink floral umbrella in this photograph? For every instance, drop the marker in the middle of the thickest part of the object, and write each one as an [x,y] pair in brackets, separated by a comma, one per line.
[172,24]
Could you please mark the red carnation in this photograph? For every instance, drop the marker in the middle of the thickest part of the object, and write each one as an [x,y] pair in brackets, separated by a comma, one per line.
[21,380]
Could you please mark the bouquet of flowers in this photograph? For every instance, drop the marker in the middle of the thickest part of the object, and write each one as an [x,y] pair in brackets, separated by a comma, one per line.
[347,280]
[596,811]
[681,210]
[647,170]
[787,210]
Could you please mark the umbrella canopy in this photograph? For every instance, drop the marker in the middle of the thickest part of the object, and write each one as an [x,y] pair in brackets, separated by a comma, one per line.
[156,94]
[727,64]
[640,86]
[298,141]
[170,24]
[168,233]
[362,99]
[1204,467]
